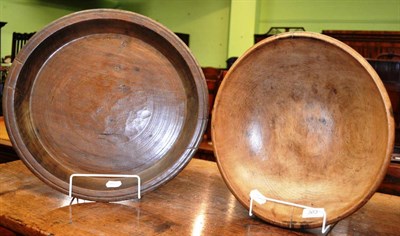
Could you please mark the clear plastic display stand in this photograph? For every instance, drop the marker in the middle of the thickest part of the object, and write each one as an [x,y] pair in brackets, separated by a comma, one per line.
[308,212]
[109,184]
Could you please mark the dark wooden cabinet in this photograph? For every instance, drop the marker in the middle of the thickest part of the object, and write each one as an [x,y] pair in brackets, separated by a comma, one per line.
[370,44]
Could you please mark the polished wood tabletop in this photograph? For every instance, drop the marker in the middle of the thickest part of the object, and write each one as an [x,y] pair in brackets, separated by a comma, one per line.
[196,202]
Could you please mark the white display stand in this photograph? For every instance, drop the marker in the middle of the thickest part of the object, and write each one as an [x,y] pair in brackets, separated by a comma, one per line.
[308,212]
[109,184]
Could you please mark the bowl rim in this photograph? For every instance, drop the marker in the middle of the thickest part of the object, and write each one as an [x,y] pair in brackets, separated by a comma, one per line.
[76,18]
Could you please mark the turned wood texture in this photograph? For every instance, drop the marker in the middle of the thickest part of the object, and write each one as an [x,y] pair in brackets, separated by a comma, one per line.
[303,118]
[105,92]
[196,202]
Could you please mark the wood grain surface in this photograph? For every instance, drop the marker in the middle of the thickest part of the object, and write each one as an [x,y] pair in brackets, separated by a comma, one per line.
[196,202]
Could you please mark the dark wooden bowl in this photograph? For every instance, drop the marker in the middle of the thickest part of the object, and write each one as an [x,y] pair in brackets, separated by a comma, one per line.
[302,118]
[107,92]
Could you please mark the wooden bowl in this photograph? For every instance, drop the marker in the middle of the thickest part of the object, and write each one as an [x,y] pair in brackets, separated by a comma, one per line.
[105,92]
[302,118]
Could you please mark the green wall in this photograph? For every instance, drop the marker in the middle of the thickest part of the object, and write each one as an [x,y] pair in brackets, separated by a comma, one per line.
[24,16]
[241,26]
[318,15]
[205,20]
[218,28]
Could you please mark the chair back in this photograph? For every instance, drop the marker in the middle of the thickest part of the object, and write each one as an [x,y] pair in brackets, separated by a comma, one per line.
[19,40]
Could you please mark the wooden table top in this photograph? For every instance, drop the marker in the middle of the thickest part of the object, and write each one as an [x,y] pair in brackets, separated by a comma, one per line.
[196,202]
[4,139]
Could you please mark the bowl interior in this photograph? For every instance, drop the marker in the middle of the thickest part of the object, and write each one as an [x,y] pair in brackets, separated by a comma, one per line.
[308,124]
[108,94]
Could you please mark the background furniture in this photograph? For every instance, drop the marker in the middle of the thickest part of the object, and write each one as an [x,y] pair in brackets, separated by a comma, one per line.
[7,152]
[19,40]
[370,44]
